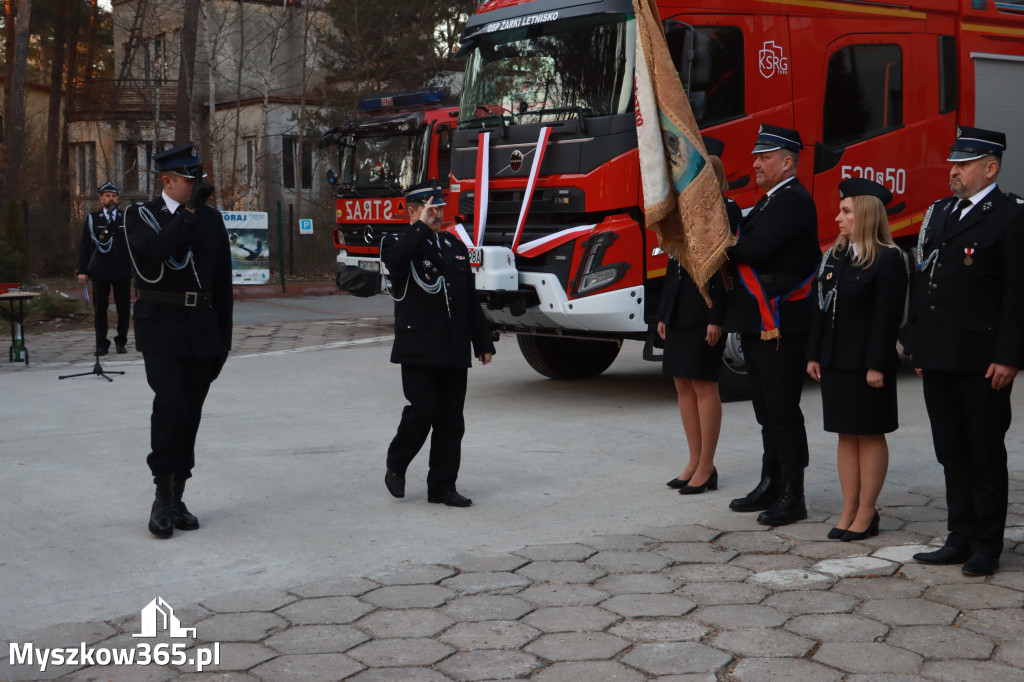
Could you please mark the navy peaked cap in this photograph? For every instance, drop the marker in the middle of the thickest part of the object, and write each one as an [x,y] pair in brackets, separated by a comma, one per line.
[431,189]
[975,143]
[857,187]
[770,138]
[183,160]
[714,146]
[108,186]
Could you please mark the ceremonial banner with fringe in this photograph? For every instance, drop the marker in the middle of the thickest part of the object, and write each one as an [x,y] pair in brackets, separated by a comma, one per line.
[682,199]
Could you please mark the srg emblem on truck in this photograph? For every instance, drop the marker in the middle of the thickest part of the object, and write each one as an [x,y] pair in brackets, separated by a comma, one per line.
[515,162]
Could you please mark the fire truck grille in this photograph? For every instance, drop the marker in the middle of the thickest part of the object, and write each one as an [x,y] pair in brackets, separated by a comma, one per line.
[544,201]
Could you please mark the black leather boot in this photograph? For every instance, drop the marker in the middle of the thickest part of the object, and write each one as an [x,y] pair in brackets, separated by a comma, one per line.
[766,492]
[183,520]
[161,523]
[790,507]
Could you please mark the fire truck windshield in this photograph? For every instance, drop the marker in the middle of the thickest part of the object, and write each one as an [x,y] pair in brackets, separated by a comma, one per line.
[383,161]
[551,71]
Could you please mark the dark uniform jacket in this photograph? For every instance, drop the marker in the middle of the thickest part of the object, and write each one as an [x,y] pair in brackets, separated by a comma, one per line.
[858,329]
[114,264]
[682,304]
[779,239]
[434,329]
[202,331]
[968,306]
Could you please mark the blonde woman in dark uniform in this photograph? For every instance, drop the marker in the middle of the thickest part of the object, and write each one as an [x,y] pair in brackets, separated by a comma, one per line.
[693,354]
[861,290]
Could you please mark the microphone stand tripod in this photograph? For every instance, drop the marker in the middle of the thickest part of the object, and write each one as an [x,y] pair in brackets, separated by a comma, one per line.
[97,370]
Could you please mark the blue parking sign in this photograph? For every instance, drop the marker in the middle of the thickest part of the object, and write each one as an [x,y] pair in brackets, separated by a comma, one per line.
[306,226]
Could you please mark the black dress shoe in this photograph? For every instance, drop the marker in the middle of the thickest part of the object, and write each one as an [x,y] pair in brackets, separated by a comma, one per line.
[872,530]
[102,349]
[944,556]
[450,498]
[676,483]
[395,483]
[710,484]
[979,564]
[121,350]
[836,533]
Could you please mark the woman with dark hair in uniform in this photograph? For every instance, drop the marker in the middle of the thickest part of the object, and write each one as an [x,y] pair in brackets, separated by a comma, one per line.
[861,289]
[693,355]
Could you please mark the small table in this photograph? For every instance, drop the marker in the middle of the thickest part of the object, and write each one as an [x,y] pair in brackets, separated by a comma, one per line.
[20,297]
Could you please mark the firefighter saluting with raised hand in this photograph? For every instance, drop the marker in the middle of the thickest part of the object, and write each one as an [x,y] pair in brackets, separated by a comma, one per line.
[182,259]
[437,318]
[967,342]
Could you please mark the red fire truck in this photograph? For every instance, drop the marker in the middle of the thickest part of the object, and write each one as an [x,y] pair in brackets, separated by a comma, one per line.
[404,138]
[545,164]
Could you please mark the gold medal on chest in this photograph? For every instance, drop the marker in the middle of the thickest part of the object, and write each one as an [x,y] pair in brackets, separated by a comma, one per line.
[828,276]
[968,256]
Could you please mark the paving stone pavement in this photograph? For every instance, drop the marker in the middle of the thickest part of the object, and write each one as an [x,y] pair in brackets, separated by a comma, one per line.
[689,603]
[727,600]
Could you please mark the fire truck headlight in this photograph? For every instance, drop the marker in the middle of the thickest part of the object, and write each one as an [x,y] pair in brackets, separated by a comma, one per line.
[600,278]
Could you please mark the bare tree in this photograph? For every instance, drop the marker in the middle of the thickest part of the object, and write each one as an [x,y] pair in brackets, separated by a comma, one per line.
[186,71]
[14,121]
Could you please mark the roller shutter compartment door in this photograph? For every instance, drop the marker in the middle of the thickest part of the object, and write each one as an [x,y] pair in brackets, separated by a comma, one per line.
[998,103]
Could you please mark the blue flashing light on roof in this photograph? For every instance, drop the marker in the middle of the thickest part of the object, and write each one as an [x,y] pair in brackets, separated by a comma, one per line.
[420,98]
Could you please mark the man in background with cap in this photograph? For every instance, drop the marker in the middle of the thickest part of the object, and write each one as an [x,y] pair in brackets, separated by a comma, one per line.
[437,317]
[179,249]
[775,259]
[103,256]
[966,342]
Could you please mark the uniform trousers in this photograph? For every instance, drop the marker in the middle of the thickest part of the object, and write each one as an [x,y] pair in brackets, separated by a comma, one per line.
[122,304]
[180,385]
[775,369]
[969,423]
[436,398]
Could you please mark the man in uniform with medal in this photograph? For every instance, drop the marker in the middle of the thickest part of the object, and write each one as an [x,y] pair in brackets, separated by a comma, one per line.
[967,341]
[437,317]
[104,257]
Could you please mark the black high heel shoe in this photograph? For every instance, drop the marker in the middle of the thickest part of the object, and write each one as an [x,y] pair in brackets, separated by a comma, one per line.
[850,536]
[677,483]
[710,484]
[836,533]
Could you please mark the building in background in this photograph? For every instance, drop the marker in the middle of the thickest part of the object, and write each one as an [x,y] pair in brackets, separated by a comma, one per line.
[255,92]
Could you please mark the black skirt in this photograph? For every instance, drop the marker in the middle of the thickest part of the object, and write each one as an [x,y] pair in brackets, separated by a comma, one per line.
[850,406]
[688,355]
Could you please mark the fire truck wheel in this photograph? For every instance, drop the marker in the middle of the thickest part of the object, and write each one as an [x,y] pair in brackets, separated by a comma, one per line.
[558,358]
[733,386]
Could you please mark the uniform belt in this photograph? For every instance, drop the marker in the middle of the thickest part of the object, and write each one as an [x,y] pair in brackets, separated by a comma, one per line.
[188,299]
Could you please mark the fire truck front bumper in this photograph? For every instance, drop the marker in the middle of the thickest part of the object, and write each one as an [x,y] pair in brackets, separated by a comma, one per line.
[539,300]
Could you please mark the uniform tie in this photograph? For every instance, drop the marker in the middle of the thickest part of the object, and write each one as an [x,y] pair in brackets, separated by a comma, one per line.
[958,212]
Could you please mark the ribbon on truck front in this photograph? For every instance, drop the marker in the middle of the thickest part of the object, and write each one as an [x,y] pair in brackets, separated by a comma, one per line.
[538,158]
[480,200]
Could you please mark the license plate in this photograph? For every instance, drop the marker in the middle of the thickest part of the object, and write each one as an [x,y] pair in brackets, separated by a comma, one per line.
[370,265]
[476,258]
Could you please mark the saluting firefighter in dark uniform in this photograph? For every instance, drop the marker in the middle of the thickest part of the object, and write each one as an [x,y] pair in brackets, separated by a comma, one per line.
[103,256]
[437,317]
[967,338]
[182,260]
[861,291]
[776,257]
